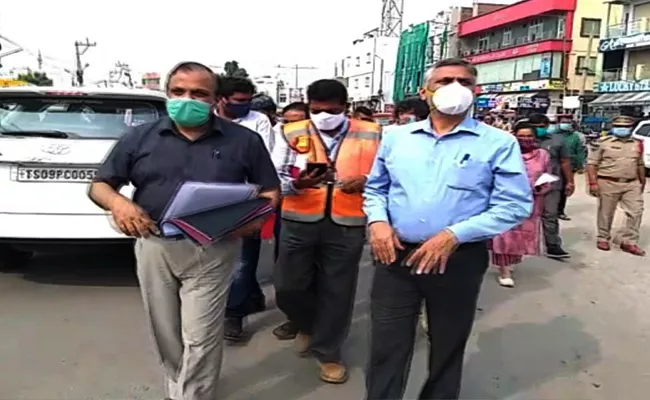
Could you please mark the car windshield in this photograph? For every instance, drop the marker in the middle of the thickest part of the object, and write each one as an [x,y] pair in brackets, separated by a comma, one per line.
[643,130]
[90,118]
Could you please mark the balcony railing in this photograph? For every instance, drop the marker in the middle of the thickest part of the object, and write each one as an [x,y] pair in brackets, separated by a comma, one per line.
[610,75]
[641,25]
[633,74]
[514,42]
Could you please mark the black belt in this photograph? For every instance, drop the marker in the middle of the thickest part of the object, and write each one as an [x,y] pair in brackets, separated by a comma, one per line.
[619,180]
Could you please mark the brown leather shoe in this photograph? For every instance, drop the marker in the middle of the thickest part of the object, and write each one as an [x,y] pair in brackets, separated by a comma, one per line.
[335,373]
[302,343]
[633,249]
[603,245]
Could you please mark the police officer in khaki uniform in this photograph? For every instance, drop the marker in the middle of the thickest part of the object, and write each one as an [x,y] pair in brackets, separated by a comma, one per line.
[617,175]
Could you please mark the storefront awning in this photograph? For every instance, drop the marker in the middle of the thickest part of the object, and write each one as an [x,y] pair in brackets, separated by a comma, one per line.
[636,99]
[527,95]
[612,99]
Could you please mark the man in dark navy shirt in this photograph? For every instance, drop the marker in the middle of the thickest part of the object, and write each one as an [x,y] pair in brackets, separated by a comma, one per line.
[184,286]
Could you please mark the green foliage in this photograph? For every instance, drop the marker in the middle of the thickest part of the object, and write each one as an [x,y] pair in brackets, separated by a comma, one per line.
[232,68]
[35,78]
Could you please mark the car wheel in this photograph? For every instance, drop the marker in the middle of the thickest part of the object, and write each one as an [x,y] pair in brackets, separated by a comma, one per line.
[12,259]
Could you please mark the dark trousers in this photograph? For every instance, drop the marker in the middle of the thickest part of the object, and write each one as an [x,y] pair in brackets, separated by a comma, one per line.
[562,205]
[396,298]
[325,257]
[246,296]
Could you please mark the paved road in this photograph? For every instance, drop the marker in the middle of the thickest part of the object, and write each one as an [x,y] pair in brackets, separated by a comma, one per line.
[72,328]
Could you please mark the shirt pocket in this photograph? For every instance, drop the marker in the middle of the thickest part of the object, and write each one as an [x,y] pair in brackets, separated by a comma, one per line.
[469,175]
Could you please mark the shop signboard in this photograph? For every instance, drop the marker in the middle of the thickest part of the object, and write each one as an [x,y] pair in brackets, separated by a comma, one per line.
[12,82]
[624,42]
[623,86]
[527,86]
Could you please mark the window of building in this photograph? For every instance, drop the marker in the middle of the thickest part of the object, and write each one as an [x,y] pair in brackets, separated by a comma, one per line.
[368,58]
[484,42]
[358,61]
[590,26]
[366,82]
[560,27]
[590,66]
[282,98]
[507,37]
[356,83]
[536,30]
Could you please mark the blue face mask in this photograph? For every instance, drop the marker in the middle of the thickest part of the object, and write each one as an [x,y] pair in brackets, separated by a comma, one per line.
[238,110]
[566,127]
[188,113]
[619,131]
[541,131]
[551,129]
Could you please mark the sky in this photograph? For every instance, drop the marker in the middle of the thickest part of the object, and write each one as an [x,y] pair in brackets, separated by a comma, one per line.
[152,36]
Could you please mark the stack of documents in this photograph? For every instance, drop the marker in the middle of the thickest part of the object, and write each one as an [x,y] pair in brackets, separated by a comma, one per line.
[207,212]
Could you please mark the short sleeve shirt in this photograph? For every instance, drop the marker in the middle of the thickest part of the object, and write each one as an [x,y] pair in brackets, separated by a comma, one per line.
[155,158]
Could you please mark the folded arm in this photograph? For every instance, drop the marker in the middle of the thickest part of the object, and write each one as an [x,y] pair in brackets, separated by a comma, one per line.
[510,203]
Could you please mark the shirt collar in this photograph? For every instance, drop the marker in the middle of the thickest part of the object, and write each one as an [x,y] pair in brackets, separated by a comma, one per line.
[167,125]
[468,125]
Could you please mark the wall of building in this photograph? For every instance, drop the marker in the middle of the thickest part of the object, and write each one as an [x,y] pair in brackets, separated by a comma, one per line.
[528,31]
[363,71]
[586,14]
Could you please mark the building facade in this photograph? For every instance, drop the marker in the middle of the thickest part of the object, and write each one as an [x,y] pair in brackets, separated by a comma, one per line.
[533,53]
[624,84]
[368,70]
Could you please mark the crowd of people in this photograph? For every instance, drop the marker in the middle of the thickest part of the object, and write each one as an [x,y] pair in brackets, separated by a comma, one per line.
[431,194]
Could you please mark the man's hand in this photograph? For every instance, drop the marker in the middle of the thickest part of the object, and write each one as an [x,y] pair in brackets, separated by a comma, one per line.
[432,256]
[306,180]
[384,242]
[593,189]
[353,185]
[131,219]
[570,189]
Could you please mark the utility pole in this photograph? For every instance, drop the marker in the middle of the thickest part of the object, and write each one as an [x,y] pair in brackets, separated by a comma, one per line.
[297,69]
[80,49]
[39,59]
[585,71]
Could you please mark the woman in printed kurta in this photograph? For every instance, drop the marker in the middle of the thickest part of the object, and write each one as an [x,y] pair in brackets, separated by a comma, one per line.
[509,248]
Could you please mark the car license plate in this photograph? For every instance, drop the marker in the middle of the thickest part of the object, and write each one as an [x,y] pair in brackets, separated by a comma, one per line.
[55,174]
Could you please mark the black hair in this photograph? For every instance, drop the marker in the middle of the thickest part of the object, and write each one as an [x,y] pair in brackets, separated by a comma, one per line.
[457,62]
[522,125]
[416,105]
[190,66]
[297,106]
[364,111]
[230,85]
[327,90]
[263,102]
[538,119]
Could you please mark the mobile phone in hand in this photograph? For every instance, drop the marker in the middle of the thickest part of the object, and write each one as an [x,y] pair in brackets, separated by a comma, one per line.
[320,168]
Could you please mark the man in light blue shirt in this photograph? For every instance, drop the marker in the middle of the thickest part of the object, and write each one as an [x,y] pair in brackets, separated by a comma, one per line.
[439,189]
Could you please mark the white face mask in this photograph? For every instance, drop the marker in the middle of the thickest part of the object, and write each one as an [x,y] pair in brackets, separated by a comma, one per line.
[452,99]
[327,122]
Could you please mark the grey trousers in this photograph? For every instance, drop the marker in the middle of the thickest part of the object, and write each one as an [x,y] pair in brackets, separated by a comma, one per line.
[550,221]
[185,288]
[315,280]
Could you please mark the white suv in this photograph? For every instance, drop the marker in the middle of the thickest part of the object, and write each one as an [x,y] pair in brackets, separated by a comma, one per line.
[642,132]
[51,143]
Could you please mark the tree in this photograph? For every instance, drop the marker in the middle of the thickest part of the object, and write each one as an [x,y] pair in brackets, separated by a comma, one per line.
[35,78]
[232,68]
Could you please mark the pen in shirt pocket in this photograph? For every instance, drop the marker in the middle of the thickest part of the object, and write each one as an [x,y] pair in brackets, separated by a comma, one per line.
[463,161]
